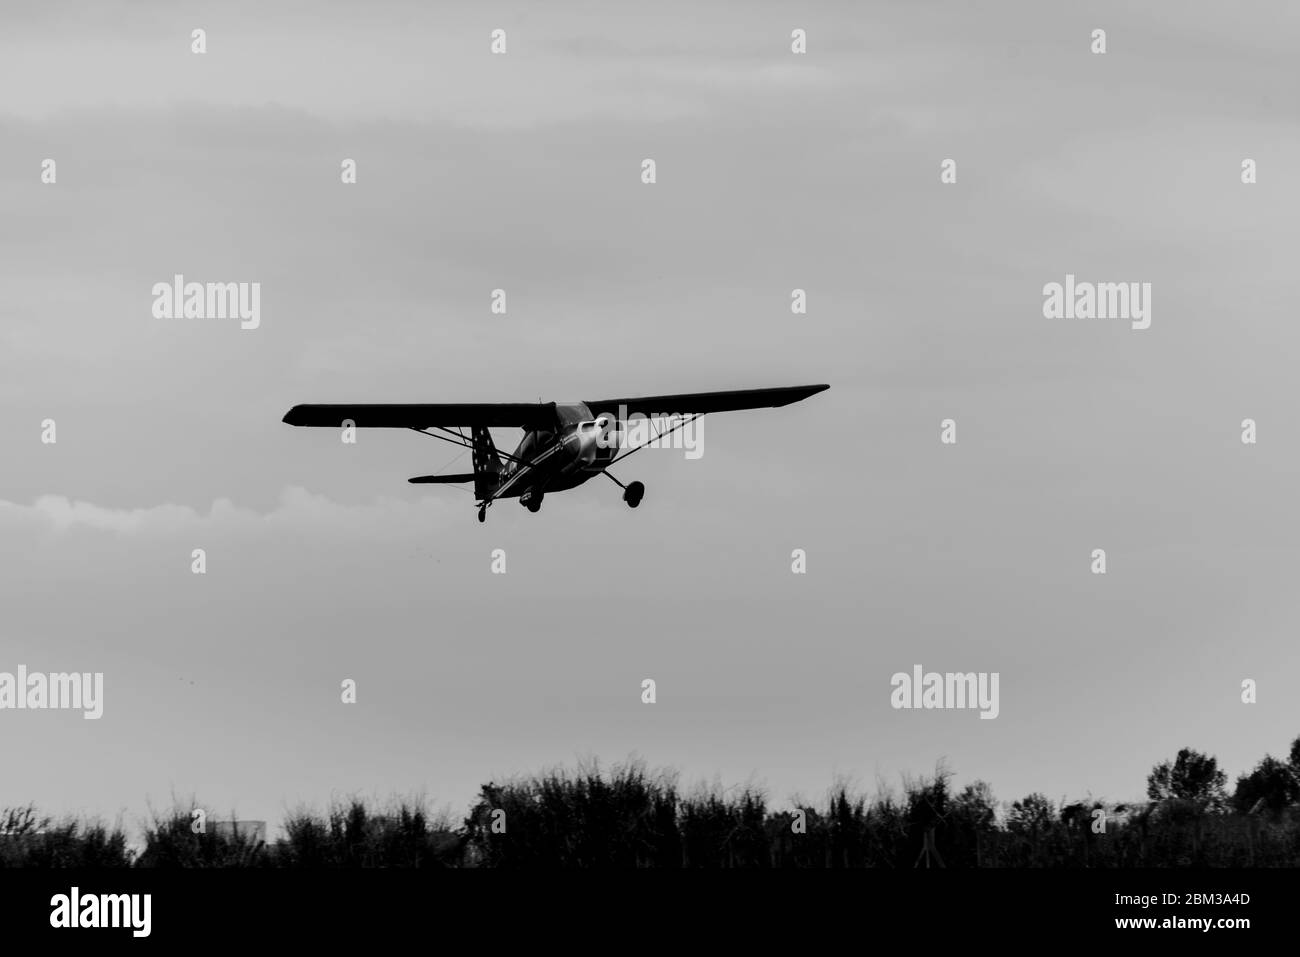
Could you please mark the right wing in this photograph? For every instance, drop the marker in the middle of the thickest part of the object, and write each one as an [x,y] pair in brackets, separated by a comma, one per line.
[699,403]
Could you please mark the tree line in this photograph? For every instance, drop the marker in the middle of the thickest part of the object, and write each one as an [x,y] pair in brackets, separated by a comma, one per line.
[629,816]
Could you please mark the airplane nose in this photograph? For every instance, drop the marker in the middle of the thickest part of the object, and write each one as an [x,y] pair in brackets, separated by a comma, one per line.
[584,445]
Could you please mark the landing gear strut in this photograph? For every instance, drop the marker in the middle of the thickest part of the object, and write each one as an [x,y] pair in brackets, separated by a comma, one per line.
[633,494]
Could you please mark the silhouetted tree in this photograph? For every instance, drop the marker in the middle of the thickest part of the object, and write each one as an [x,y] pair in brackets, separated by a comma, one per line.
[1193,777]
[1031,815]
[972,816]
[1272,782]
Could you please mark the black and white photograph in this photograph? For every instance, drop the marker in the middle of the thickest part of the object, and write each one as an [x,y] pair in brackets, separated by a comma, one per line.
[472,452]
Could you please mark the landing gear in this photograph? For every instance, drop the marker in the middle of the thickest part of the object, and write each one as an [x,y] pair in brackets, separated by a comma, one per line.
[633,494]
[482,513]
[534,504]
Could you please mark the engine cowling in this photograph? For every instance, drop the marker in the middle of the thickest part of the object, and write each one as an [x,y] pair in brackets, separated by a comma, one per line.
[593,443]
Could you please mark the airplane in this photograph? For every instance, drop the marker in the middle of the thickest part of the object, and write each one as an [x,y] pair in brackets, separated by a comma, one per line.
[564,443]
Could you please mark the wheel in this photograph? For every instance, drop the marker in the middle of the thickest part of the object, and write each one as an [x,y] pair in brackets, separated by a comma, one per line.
[633,494]
[535,505]
[482,514]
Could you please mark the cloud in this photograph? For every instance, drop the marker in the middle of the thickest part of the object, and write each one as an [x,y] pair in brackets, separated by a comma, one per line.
[296,507]
[63,514]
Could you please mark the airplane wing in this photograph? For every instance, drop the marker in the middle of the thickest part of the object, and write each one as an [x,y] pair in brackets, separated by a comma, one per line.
[524,415]
[691,403]
[530,415]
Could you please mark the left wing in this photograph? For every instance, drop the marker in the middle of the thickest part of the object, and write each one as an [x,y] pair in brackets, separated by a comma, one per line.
[505,415]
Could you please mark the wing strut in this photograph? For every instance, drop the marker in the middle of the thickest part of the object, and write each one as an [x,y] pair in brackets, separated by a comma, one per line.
[459,439]
[654,438]
[463,442]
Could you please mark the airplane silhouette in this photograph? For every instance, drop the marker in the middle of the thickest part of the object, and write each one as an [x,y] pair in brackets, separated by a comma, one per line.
[564,443]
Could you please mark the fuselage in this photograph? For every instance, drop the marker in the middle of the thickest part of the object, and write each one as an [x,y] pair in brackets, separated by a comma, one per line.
[580,447]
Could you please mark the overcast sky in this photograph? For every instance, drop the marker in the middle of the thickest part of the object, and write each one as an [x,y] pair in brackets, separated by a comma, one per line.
[522,172]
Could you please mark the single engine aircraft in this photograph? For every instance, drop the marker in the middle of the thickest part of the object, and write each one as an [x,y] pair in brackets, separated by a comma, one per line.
[564,443]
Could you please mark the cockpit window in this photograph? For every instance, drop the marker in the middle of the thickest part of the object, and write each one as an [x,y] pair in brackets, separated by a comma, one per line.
[571,413]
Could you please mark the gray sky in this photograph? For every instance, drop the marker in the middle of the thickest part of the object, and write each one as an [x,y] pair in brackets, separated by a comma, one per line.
[775,171]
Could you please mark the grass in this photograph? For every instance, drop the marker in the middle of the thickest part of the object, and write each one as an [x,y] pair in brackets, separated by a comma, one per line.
[630,817]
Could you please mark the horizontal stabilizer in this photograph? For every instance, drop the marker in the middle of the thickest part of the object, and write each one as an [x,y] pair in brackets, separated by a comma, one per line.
[441,479]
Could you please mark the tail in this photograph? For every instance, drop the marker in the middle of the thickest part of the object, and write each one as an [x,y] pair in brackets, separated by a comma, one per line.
[487,463]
